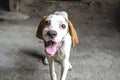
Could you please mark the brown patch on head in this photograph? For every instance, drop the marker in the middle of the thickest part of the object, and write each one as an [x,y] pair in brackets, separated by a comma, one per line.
[73,33]
[43,24]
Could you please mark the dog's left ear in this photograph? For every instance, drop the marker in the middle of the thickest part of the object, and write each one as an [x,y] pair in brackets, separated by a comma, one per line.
[73,33]
[41,27]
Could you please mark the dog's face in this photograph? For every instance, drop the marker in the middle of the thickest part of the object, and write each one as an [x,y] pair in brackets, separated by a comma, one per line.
[53,29]
[56,28]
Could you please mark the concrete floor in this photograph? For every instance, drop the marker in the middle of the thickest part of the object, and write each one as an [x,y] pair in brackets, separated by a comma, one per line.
[96,57]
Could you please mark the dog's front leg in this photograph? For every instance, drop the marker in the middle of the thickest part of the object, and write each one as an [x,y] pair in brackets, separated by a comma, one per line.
[52,69]
[64,70]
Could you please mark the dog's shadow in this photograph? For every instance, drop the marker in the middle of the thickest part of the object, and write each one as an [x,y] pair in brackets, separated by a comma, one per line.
[33,53]
[36,54]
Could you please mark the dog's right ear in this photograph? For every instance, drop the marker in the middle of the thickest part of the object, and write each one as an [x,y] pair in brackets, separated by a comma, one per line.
[41,27]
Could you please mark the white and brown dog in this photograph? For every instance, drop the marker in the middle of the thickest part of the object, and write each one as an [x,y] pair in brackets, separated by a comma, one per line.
[58,34]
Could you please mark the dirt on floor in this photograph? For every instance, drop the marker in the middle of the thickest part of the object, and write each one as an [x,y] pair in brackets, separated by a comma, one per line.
[96,57]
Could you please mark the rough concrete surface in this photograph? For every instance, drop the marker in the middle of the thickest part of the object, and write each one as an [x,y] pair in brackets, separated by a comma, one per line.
[96,57]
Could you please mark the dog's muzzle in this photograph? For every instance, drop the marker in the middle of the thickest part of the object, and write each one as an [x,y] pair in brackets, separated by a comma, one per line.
[51,46]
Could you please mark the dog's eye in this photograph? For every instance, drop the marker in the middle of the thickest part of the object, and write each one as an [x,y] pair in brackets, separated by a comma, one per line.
[63,26]
[47,22]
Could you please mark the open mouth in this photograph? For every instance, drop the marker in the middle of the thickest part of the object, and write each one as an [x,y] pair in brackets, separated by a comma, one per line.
[51,47]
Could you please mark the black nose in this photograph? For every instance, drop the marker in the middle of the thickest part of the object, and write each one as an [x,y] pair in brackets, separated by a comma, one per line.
[52,33]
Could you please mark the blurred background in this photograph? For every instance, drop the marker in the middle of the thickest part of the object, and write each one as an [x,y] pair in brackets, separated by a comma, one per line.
[96,57]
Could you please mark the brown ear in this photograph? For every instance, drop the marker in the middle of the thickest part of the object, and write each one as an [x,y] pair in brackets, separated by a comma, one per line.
[40,28]
[73,33]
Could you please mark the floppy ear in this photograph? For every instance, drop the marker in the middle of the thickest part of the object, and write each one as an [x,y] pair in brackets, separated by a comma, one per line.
[40,28]
[73,33]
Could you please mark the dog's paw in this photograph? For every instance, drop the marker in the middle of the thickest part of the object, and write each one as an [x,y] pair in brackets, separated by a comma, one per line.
[70,67]
[45,61]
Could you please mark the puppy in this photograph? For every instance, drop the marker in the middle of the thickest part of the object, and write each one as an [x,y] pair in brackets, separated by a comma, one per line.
[58,34]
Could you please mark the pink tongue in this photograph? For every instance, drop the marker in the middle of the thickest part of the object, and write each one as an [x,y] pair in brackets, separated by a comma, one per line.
[51,48]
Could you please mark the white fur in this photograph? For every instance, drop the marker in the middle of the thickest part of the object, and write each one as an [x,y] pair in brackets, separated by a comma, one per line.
[56,21]
[63,53]
[62,13]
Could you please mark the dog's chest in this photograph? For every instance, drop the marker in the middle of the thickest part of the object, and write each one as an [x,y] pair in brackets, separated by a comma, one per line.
[59,55]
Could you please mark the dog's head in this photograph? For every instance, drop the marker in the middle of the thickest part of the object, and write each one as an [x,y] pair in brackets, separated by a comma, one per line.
[53,28]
